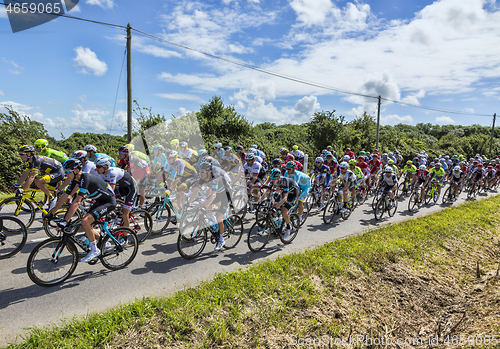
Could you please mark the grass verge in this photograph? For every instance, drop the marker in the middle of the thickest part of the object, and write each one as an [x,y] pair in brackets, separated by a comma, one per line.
[417,280]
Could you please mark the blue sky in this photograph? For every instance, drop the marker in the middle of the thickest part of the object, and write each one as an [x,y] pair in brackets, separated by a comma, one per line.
[443,54]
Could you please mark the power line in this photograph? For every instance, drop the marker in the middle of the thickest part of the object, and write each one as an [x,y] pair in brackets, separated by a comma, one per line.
[264,71]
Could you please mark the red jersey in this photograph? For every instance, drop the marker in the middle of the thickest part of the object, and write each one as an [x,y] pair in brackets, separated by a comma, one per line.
[332,166]
[374,165]
[363,166]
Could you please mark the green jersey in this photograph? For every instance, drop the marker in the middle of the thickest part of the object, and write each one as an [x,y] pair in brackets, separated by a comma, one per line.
[55,154]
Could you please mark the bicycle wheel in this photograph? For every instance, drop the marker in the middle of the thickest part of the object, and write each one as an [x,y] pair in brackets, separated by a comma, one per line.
[51,263]
[240,205]
[435,198]
[310,199]
[141,223]
[305,213]
[294,229]
[361,196]
[413,203]
[50,226]
[379,208]
[233,231]
[191,240]
[447,196]
[392,210]
[13,235]
[119,256]
[329,211]
[24,212]
[401,189]
[428,196]
[259,235]
[376,198]
[472,191]
[262,210]
[161,215]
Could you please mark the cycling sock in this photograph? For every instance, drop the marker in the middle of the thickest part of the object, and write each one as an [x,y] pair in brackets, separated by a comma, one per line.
[221,238]
[93,246]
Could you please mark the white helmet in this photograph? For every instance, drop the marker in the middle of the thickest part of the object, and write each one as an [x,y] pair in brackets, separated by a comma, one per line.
[90,147]
[103,161]
[79,154]
[344,165]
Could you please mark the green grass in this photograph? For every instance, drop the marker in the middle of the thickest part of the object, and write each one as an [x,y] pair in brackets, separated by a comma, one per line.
[266,298]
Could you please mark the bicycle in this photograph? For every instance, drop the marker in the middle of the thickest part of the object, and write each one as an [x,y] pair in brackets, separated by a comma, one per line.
[261,231]
[193,237]
[415,201]
[385,204]
[473,190]
[334,207]
[13,235]
[22,206]
[406,187]
[449,194]
[431,193]
[54,260]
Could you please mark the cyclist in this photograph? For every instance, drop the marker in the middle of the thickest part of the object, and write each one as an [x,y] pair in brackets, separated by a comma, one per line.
[409,170]
[42,147]
[422,178]
[438,172]
[359,177]
[257,158]
[240,153]
[375,167]
[399,158]
[283,154]
[391,164]
[94,188]
[489,176]
[187,153]
[51,171]
[321,173]
[138,168]
[176,173]
[298,154]
[229,161]
[457,180]
[302,180]
[214,198]
[254,172]
[289,190]
[363,166]
[218,151]
[88,167]
[93,155]
[390,183]
[347,180]
[159,162]
[122,183]
[259,152]
[174,144]
[138,153]
[290,157]
[349,153]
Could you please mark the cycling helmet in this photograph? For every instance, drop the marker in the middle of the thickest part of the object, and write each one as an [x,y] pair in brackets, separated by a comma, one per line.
[329,147]
[239,148]
[352,162]
[347,149]
[396,152]
[384,155]
[90,147]
[346,158]
[328,153]
[173,154]
[42,143]
[375,156]
[79,154]
[441,160]
[26,148]
[249,157]
[103,162]
[124,149]
[447,157]
[388,169]
[422,167]
[291,164]
[497,160]
[422,152]
[319,159]
[276,162]
[324,151]
[409,162]
[391,154]
[295,147]
[130,146]
[252,151]
[480,165]
[174,142]
[183,144]
[218,145]
[475,163]
[228,148]
[253,146]
[275,173]
[390,162]
[344,165]
[361,157]
[202,153]
[431,164]
[490,167]
[72,164]
[290,157]
[283,150]
[206,166]
[437,164]
[456,168]
[478,156]
[158,147]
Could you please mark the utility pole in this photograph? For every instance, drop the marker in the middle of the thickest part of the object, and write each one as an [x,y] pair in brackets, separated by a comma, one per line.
[378,120]
[129,83]
[492,134]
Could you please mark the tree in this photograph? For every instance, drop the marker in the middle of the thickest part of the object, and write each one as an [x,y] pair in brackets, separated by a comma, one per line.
[326,129]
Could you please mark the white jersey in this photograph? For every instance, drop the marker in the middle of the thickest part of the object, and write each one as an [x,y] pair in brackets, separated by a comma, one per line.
[348,176]
[118,176]
[90,168]
[186,154]
[258,159]
[298,154]
[251,170]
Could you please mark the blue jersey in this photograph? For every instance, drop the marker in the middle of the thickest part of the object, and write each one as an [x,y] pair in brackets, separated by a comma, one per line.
[162,161]
[323,170]
[302,180]
[102,155]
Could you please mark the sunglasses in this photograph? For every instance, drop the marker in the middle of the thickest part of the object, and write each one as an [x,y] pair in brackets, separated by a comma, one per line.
[68,171]
[121,153]
[97,166]
[203,172]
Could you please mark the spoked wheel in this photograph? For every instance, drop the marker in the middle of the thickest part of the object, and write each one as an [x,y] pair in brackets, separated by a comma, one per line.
[240,205]
[361,196]
[347,212]
[413,203]
[233,231]
[471,192]
[379,209]
[428,196]
[13,235]
[294,229]
[435,198]
[310,200]
[50,263]
[447,197]
[305,213]
[120,253]
[262,210]
[50,227]
[141,223]
[192,240]
[376,197]
[392,210]
[161,216]
[329,211]
[12,207]
[259,235]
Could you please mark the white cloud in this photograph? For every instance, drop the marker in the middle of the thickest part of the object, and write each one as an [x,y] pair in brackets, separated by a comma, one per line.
[180,96]
[85,58]
[105,4]
[21,108]
[469,110]
[311,11]
[303,109]
[413,98]
[181,111]
[445,120]
[1,93]
[260,112]
[395,119]
[83,98]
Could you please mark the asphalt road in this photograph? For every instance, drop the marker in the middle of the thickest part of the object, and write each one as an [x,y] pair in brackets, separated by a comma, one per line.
[158,270]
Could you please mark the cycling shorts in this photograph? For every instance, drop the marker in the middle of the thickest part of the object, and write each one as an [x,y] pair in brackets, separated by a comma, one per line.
[387,187]
[142,183]
[342,186]
[359,180]
[101,208]
[129,195]
[303,192]
[53,178]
